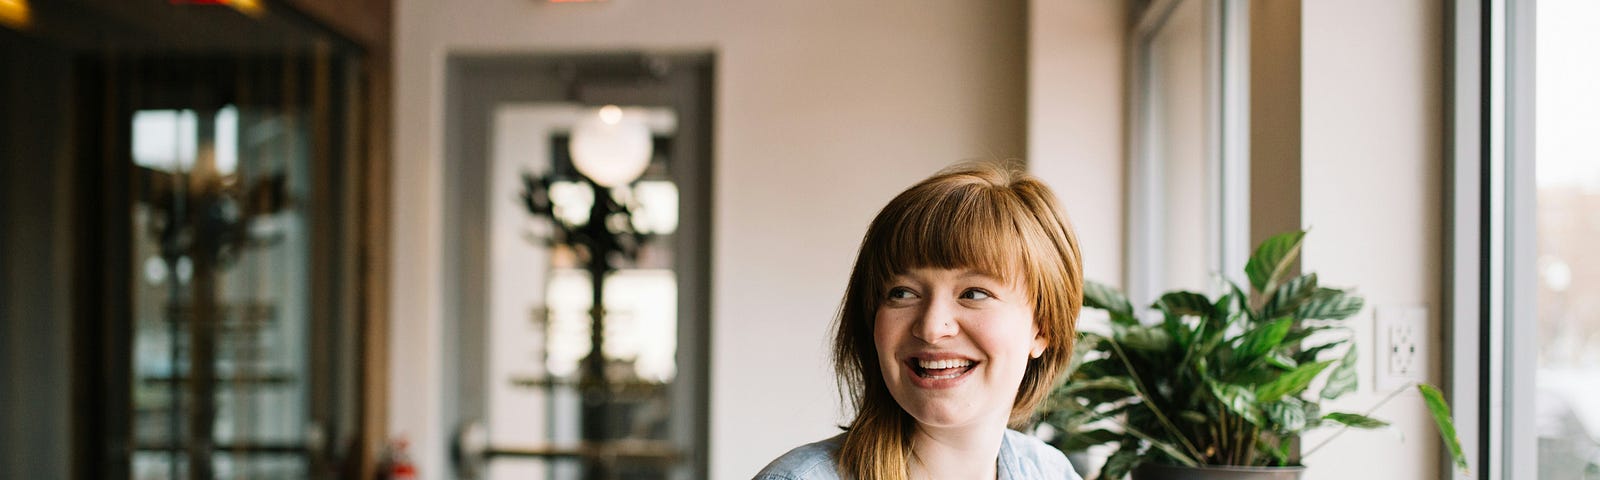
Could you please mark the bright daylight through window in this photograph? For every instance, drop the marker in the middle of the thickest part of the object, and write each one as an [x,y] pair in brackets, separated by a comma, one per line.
[1568,166]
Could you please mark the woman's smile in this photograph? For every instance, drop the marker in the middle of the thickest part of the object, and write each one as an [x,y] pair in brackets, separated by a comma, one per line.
[939,371]
[955,343]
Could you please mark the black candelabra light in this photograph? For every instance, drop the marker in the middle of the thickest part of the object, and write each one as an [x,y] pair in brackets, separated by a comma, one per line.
[206,218]
[603,241]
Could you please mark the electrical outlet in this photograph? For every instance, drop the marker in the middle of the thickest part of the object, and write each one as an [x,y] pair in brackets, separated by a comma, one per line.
[1402,347]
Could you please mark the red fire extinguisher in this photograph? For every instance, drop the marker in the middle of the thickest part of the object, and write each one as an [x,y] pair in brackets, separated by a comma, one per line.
[397,461]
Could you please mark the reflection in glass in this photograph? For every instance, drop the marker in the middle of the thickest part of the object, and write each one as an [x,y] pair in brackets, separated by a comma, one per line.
[221,293]
[1568,269]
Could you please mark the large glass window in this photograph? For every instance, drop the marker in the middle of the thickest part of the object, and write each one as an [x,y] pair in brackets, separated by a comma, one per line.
[1525,203]
[1567,179]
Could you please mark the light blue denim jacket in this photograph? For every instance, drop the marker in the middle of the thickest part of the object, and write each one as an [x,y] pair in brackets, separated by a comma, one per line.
[1021,457]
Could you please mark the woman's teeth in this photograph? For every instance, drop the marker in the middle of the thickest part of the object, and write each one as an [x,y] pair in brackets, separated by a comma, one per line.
[943,364]
[942,369]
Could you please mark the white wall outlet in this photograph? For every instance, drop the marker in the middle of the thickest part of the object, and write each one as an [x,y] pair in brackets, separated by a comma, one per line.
[1402,347]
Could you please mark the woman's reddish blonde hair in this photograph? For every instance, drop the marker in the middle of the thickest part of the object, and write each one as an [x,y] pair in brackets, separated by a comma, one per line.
[990,217]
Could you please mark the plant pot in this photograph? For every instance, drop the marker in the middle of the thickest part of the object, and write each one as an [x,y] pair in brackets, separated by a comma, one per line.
[1154,471]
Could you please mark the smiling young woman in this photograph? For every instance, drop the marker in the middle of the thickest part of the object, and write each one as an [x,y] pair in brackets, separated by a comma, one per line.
[959,315]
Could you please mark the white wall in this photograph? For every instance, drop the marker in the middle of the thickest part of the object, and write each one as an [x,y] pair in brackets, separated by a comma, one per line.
[824,110]
[1372,179]
[1076,80]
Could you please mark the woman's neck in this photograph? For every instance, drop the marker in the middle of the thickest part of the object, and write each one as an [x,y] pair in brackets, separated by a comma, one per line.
[963,452]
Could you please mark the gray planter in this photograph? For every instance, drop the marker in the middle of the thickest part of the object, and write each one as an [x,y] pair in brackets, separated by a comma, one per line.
[1152,471]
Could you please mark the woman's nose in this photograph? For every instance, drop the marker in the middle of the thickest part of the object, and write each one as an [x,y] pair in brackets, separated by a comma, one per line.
[936,322]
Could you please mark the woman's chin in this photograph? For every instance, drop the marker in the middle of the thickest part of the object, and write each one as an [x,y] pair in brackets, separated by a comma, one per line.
[942,416]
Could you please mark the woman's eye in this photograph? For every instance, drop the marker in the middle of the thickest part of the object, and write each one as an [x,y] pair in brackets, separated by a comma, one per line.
[975,294]
[898,293]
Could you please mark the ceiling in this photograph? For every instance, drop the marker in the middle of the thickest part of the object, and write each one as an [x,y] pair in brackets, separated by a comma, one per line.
[172,26]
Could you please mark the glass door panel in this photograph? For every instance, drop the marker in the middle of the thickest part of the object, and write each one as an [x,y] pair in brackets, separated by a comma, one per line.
[221,293]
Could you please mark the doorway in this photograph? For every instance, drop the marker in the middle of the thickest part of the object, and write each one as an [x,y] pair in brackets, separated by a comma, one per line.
[546,385]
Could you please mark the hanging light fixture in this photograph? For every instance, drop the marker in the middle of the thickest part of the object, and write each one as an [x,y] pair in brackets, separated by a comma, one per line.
[610,147]
[15,14]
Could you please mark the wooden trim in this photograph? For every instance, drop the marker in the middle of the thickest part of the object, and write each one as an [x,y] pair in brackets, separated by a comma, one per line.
[368,23]
[374,217]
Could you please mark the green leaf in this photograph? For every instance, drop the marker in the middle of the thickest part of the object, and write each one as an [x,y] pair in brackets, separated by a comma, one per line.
[1176,305]
[1311,354]
[1148,339]
[1253,377]
[1273,259]
[1080,441]
[1330,304]
[1241,301]
[1225,306]
[1301,333]
[1287,414]
[1074,420]
[1292,382]
[1181,303]
[1121,384]
[1102,296]
[1100,367]
[1281,361]
[1343,379]
[1120,463]
[1447,428]
[1355,420]
[1237,398]
[1214,335]
[1106,396]
[1262,339]
[1290,296]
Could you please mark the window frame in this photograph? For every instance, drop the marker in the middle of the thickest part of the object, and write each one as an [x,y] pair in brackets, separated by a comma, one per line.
[1490,254]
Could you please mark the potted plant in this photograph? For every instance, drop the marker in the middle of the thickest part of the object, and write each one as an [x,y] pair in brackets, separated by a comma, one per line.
[1218,389]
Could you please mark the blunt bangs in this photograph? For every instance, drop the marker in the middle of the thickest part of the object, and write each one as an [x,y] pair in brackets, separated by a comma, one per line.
[954,226]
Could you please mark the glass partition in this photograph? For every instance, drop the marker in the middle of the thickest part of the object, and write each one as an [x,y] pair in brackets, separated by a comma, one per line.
[212,150]
[221,292]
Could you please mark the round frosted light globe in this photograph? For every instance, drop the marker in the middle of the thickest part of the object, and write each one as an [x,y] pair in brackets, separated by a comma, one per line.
[609,147]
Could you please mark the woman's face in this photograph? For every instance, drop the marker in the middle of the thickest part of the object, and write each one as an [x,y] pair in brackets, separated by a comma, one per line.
[953,345]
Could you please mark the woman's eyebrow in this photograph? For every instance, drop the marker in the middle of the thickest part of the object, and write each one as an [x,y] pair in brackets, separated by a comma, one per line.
[973,272]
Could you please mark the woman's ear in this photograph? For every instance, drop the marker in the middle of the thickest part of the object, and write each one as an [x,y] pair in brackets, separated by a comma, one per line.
[1039,345]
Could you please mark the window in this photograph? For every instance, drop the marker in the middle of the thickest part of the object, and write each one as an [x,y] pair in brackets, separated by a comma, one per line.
[1567,222]
[1525,208]
[1189,171]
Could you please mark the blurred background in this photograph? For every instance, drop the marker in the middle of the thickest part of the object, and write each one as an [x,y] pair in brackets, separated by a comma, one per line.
[605,239]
